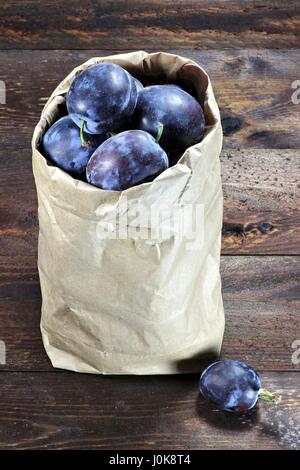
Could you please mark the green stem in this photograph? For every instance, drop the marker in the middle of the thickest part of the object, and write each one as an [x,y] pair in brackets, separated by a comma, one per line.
[111,134]
[160,128]
[82,138]
[268,396]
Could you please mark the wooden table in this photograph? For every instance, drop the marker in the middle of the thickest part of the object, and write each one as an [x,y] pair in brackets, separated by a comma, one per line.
[250,51]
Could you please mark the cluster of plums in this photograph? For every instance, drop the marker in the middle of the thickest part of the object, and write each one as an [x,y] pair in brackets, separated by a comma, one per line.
[118,133]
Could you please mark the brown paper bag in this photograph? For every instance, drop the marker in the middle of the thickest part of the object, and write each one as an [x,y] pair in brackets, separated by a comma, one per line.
[134,304]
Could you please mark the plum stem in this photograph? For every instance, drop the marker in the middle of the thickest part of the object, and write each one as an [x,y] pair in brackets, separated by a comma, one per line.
[160,128]
[112,134]
[82,138]
[268,396]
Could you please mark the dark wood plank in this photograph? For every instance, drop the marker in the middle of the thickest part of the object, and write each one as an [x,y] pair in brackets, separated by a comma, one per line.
[261,295]
[36,24]
[261,180]
[253,90]
[261,300]
[261,202]
[261,233]
[68,411]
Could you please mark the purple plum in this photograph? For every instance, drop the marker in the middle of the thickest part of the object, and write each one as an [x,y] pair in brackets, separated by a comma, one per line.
[180,114]
[125,160]
[233,386]
[62,145]
[102,97]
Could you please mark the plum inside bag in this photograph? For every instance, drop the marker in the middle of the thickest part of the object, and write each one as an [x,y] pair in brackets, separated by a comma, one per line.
[130,279]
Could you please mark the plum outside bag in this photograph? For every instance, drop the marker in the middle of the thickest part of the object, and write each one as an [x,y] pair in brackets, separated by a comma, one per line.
[140,303]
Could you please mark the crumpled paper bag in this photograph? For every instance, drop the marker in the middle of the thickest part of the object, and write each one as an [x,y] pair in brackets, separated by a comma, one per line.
[149,301]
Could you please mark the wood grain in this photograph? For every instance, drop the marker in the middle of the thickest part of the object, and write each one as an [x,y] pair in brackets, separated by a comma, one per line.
[35,24]
[253,90]
[261,296]
[261,202]
[261,180]
[261,300]
[68,411]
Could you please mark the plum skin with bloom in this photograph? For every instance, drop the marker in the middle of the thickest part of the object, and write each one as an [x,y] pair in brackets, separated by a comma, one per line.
[179,112]
[231,385]
[139,85]
[103,96]
[63,146]
[125,160]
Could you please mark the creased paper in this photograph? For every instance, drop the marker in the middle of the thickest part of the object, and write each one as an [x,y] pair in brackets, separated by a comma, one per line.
[132,305]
